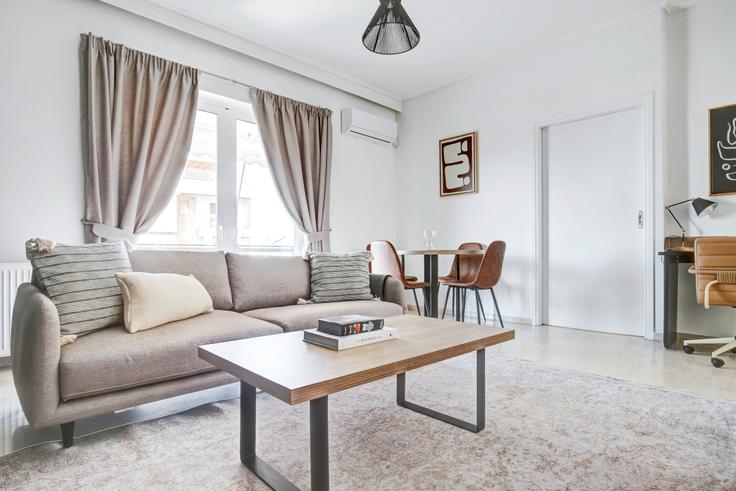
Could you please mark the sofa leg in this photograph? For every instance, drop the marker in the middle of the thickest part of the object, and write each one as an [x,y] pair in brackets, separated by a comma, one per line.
[67,434]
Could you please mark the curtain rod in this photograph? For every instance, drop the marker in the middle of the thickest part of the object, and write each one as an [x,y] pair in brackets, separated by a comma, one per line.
[236,82]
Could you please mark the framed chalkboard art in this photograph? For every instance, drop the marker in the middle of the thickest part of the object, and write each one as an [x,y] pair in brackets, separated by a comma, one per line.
[723,150]
[459,164]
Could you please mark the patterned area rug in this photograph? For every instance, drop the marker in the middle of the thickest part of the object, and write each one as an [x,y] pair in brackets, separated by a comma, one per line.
[546,429]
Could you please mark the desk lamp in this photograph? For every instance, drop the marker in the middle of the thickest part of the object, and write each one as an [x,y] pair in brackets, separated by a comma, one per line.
[701,206]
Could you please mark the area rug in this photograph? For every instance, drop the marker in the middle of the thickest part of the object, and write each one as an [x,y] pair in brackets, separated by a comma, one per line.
[545,429]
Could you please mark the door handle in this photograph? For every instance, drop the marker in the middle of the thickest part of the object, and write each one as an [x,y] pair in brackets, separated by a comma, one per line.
[640,219]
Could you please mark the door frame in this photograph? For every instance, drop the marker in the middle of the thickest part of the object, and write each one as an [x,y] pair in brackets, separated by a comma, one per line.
[644,102]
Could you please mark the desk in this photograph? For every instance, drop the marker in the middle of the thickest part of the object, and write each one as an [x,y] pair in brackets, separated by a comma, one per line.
[431,294]
[672,259]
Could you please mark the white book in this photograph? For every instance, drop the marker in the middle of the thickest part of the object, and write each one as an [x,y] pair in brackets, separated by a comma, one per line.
[352,341]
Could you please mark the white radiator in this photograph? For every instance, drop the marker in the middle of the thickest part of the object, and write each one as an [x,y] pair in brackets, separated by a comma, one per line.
[11,276]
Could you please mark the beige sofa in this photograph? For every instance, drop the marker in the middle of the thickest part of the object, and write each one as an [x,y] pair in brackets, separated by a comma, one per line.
[112,369]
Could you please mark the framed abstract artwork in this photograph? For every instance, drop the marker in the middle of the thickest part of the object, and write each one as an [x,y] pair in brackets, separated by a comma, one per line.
[459,164]
[722,143]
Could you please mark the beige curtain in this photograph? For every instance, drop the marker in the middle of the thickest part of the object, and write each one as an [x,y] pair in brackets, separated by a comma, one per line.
[298,141]
[138,115]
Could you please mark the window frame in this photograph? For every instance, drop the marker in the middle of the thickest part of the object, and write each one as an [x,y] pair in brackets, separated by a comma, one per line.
[228,111]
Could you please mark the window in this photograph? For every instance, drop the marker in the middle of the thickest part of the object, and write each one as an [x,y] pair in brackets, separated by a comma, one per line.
[226,197]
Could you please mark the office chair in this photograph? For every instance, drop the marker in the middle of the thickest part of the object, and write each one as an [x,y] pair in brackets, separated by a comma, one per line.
[715,281]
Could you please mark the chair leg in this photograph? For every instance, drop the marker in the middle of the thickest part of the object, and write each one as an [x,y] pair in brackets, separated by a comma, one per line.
[67,434]
[416,301]
[477,306]
[453,305]
[724,349]
[447,297]
[482,310]
[498,312]
[464,299]
[690,342]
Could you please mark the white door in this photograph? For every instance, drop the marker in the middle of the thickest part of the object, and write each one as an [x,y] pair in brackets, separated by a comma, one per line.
[595,240]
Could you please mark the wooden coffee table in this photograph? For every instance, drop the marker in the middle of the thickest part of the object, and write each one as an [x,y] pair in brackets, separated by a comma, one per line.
[287,368]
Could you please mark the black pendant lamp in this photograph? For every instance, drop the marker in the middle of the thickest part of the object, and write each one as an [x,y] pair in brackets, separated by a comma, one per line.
[391,31]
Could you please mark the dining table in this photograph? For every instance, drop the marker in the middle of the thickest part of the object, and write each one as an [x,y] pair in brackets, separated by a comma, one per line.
[431,275]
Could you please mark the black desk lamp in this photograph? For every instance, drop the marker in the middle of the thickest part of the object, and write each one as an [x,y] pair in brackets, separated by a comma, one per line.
[701,206]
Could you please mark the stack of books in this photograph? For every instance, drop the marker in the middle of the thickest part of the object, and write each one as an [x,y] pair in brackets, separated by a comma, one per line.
[349,331]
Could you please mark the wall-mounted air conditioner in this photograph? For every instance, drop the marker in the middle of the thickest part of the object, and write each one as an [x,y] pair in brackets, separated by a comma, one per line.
[365,125]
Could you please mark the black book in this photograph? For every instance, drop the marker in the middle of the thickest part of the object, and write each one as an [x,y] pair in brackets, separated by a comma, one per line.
[345,325]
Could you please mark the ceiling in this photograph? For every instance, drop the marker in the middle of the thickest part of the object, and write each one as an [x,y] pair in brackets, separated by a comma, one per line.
[459,38]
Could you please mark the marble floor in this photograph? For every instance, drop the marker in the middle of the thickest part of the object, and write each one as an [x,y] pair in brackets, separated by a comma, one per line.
[623,357]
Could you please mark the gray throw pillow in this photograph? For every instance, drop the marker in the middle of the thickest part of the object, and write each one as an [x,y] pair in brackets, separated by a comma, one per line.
[340,277]
[80,280]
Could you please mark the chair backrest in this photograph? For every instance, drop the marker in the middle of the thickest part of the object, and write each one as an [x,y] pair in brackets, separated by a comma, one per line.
[491,266]
[385,259]
[469,265]
[715,260]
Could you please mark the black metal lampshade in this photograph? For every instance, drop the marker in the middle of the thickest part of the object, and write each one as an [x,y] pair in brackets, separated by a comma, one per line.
[703,206]
[391,31]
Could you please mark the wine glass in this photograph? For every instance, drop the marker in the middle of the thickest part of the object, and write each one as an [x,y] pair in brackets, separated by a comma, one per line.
[430,236]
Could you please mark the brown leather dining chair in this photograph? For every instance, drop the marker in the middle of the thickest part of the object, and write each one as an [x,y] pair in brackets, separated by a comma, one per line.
[386,261]
[468,269]
[486,278]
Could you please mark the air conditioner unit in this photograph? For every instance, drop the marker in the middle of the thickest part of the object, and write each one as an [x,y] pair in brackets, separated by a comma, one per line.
[364,125]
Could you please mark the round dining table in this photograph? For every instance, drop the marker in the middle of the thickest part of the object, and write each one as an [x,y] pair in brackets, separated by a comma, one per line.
[431,275]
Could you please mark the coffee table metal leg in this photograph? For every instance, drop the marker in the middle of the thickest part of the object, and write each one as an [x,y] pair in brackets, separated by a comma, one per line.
[480,400]
[319,448]
[248,443]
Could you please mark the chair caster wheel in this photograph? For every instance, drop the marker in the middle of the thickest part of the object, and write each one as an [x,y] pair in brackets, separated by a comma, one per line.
[717,362]
[688,349]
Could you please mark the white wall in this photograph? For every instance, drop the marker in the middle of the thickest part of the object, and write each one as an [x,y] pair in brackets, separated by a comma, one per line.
[503,105]
[701,74]
[41,169]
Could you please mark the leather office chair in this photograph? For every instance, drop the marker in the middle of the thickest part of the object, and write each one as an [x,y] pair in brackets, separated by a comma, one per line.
[485,279]
[715,283]
[386,261]
[469,266]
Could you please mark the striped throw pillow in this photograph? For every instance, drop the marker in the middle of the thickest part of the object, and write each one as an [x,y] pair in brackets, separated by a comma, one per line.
[80,280]
[340,277]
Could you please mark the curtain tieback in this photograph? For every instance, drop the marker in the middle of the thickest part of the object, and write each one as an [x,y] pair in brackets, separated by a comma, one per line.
[312,237]
[108,232]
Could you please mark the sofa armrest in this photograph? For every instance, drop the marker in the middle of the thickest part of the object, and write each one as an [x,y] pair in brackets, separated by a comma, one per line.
[388,289]
[36,351]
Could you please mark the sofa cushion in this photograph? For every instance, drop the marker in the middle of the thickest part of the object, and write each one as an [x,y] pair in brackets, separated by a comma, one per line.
[113,359]
[340,277]
[267,281]
[298,317]
[209,267]
[80,280]
[154,299]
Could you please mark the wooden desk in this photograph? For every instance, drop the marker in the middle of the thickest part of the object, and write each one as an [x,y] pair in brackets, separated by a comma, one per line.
[431,274]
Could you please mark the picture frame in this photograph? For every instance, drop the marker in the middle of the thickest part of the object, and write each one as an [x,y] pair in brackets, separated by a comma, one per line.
[458,164]
[722,150]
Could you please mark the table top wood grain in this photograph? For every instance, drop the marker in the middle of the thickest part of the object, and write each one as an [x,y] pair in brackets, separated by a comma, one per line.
[294,371]
[440,252]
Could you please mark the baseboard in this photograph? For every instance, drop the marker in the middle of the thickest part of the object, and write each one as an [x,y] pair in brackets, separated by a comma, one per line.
[470,316]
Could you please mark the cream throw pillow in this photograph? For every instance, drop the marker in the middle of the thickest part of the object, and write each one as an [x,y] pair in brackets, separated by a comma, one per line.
[152,299]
